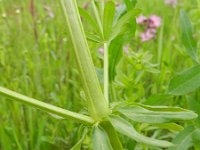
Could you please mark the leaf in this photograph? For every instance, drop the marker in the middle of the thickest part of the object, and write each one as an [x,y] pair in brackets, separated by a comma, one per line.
[130,4]
[185,82]
[187,36]
[90,21]
[184,140]
[128,17]
[115,54]
[93,37]
[100,139]
[125,128]
[158,99]
[195,106]
[170,126]
[108,18]
[77,146]
[156,114]
[112,134]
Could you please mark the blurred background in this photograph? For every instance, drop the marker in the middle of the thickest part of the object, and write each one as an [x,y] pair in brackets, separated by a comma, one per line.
[36,59]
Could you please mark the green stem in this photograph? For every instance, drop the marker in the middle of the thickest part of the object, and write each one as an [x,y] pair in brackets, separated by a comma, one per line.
[96,103]
[46,107]
[106,73]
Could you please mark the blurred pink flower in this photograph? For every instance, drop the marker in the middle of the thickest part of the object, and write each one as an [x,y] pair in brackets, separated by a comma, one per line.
[141,19]
[171,2]
[148,35]
[151,24]
[154,21]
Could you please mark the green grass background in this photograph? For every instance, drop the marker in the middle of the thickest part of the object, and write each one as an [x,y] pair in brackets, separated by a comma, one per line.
[36,59]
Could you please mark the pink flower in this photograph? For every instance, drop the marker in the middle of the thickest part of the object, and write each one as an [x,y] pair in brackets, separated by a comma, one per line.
[154,21]
[148,35]
[141,19]
[171,2]
[151,24]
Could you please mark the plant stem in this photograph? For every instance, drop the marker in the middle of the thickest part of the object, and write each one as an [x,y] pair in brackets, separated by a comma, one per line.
[46,107]
[106,73]
[96,103]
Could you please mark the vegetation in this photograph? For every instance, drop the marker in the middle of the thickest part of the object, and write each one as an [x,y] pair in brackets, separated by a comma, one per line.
[108,75]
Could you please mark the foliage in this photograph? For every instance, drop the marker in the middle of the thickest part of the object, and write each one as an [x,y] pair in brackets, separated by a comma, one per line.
[128,97]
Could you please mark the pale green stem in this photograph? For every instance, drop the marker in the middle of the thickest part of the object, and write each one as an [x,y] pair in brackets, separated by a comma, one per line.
[106,73]
[96,103]
[46,107]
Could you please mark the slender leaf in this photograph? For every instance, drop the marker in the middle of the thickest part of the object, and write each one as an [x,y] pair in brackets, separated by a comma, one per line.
[90,21]
[148,114]
[114,139]
[128,17]
[185,82]
[187,36]
[170,126]
[125,128]
[77,146]
[195,106]
[184,140]
[108,18]
[130,4]
[115,54]
[100,139]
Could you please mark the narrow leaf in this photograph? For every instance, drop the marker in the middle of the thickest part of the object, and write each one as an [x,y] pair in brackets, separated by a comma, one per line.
[185,82]
[130,4]
[112,134]
[149,114]
[115,54]
[183,141]
[90,21]
[108,18]
[195,106]
[100,139]
[125,128]
[128,17]
[187,36]
[77,146]
[170,126]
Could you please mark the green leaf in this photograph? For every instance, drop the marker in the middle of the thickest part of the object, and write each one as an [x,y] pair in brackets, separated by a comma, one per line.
[170,126]
[77,146]
[128,17]
[185,82]
[100,139]
[156,114]
[130,4]
[90,21]
[93,37]
[112,134]
[125,128]
[108,18]
[187,36]
[184,140]
[115,54]
[195,106]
